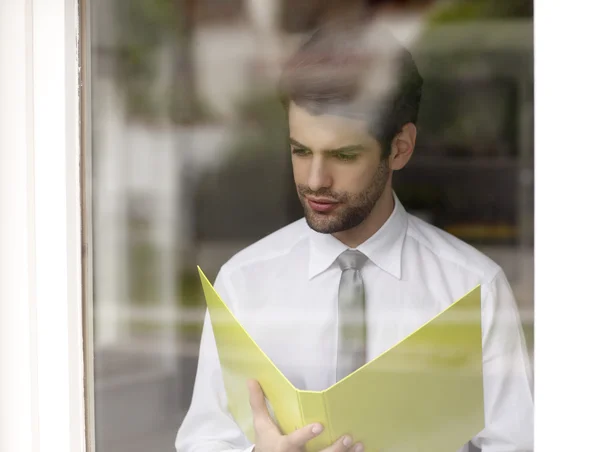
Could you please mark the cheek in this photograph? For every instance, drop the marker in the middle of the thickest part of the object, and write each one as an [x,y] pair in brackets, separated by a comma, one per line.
[353,178]
[300,169]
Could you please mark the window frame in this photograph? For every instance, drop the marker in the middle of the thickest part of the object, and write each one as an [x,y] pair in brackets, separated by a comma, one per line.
[45,356]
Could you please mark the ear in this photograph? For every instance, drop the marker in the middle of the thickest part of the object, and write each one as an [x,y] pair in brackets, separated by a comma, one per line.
[403,146]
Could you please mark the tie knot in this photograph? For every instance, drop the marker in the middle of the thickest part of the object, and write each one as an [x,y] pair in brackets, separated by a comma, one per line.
[352,259]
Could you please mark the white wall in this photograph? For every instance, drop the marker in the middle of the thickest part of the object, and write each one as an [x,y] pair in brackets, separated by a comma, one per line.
[17,346]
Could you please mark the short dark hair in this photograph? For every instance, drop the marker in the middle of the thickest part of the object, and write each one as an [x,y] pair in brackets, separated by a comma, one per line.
[329,73]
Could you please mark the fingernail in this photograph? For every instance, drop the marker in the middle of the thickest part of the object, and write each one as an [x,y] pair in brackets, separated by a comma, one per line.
[347,441]
[359,448]
[317,428]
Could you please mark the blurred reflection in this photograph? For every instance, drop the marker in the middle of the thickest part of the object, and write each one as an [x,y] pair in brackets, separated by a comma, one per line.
[190,165]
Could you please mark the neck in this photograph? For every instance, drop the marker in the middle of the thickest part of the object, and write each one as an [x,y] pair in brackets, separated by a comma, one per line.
[376,219]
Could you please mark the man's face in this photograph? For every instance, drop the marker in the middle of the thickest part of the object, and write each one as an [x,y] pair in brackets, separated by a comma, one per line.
[338,170]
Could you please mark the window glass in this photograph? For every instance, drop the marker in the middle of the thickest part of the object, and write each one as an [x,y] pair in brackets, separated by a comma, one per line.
[190,164]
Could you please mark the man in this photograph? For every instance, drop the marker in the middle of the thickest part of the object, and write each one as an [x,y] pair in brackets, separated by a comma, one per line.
[352,102]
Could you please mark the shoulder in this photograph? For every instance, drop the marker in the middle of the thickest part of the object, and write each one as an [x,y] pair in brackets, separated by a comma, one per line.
[450,250]
[269,248]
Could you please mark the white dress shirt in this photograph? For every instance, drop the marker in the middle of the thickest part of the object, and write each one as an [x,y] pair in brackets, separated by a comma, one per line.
[283,289]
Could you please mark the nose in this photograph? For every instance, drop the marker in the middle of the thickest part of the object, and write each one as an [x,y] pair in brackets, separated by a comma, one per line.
[319,177]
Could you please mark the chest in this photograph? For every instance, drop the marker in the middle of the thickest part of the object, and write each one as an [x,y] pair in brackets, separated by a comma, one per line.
[296,323]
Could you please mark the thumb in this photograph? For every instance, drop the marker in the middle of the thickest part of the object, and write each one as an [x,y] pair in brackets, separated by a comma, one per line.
[300,437]
[262,419]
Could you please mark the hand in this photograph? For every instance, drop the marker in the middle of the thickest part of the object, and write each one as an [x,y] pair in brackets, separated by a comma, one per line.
[268,438]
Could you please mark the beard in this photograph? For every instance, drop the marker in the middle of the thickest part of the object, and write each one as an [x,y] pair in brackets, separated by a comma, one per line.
[353,208]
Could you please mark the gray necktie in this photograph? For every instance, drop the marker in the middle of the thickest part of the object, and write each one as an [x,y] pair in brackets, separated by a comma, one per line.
[351,315]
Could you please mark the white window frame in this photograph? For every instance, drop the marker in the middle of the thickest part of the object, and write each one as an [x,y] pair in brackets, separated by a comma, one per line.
[43,321]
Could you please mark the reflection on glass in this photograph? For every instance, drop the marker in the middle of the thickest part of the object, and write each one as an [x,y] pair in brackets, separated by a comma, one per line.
[190,164]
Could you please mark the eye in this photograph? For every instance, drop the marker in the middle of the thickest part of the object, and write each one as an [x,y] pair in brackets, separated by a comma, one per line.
[346,157]
[299,151]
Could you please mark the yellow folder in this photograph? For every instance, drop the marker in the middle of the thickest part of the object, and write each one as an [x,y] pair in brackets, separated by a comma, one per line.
[423,394]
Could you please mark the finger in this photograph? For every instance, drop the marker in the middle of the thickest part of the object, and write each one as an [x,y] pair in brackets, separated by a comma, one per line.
[358,447]
[303,435]
[341,445]
[262,419]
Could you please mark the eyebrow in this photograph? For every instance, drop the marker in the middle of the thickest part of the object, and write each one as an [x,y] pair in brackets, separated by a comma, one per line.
[352,147]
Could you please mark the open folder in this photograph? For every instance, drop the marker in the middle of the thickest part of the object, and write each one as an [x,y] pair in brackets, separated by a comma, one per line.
[423,394]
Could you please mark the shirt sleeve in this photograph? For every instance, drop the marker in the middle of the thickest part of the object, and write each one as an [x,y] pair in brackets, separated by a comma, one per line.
[208,426]
[507,375]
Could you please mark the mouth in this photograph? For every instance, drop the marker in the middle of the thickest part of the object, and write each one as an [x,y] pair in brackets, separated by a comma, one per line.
[322,205]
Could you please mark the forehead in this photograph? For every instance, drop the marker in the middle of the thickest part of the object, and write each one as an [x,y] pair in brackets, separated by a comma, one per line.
[327,131]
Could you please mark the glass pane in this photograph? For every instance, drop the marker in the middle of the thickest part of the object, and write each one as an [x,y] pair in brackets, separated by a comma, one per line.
[190,164]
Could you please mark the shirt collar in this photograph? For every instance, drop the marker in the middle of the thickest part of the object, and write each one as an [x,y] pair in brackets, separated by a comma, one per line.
[384,248]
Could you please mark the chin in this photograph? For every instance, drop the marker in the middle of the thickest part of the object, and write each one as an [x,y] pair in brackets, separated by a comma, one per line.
[323,228]
[321,223]
[330,224]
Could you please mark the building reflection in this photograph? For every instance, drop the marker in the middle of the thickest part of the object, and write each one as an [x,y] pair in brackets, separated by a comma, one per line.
[190,165]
